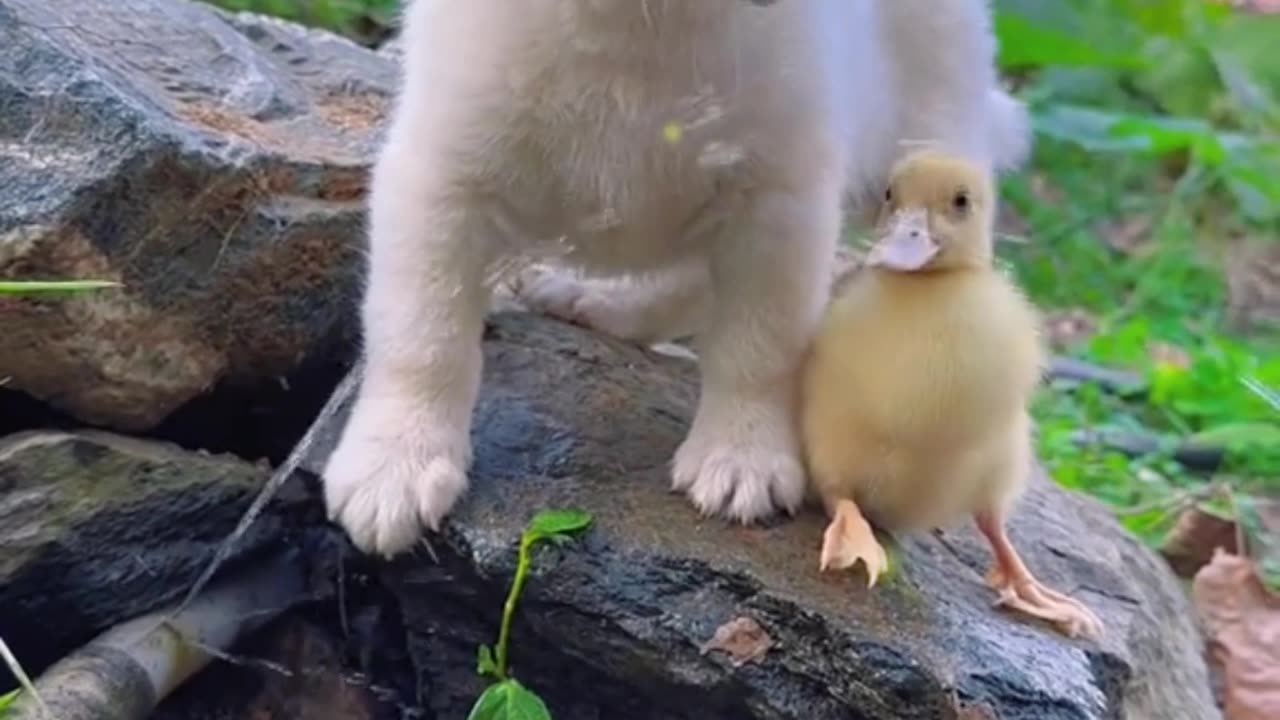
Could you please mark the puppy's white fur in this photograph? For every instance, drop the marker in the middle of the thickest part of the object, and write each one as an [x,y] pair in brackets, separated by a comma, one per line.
[544,131]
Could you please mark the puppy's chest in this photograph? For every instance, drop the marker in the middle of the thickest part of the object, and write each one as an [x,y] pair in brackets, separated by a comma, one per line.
[631,170]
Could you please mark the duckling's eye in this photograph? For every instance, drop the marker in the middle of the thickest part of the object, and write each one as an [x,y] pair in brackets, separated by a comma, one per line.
[961,201]
[888,195]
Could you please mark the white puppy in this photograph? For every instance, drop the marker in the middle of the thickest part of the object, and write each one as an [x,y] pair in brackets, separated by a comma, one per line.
[701,148]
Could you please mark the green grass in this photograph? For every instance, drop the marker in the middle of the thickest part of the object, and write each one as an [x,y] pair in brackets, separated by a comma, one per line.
[29,287]
[364,20]
[24,683]
[1158,114]
[1164,113]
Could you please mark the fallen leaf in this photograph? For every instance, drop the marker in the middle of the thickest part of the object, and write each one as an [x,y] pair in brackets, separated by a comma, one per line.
[742,639]
[971,710]
[1194,538]
[1242,622]
[977,711]
[1260,520]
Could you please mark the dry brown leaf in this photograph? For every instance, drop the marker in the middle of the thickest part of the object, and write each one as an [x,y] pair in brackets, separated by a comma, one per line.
[972,710]
[1191,542]
[1259,520]
[1242,621]
[976,712]
[742,639]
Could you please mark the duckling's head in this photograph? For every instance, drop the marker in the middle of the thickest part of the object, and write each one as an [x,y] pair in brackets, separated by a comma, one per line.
[938,214]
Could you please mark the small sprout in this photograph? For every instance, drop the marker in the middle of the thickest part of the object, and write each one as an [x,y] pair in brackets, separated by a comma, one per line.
[555,525]
[485,664]
[507,699]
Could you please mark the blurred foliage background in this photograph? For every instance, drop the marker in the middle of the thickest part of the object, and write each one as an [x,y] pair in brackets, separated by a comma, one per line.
[1147,227]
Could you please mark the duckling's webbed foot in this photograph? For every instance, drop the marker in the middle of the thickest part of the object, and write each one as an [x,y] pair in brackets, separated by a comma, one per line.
[1022,592]
[848,539]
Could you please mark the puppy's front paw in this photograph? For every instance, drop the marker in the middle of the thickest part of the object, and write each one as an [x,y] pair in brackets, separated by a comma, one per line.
[742,471]
[387,483]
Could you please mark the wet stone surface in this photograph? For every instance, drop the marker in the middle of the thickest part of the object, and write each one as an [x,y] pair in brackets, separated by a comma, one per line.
[613,625]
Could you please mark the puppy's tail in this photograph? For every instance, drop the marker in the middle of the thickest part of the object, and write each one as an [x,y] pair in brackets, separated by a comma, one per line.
[1010,127]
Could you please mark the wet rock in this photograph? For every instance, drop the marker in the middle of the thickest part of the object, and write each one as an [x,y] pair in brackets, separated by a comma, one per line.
[97,529]
[213,163]
[614,625]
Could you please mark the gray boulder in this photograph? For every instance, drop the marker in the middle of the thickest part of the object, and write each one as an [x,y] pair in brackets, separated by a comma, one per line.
[614,626]
[213,163]
[99,528]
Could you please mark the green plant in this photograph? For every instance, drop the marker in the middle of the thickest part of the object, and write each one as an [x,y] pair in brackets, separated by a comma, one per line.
[507,698]
[355,17]
[1158,147]
[24,682]
[26,287]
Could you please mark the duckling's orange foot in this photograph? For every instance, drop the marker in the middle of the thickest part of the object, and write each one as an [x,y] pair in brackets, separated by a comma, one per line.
[848,539]
[1028,595]
[1020,590]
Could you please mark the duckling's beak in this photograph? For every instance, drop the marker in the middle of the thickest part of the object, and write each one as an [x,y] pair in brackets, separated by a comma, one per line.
[905,244]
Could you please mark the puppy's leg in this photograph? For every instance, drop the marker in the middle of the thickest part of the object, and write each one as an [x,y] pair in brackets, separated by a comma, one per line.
[770,280]
[1011,139]
[944,55]
[403,457]
[644,309]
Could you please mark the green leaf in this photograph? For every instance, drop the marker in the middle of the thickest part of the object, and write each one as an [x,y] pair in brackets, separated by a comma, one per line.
[1260,520]
[554,523]
[509,700]
[1269,396]
[1240,437]
[8,698]
[1025,43]
[485,664]
[21,287]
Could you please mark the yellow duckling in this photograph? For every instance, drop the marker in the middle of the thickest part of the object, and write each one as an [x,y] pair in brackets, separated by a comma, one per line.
[915,393]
